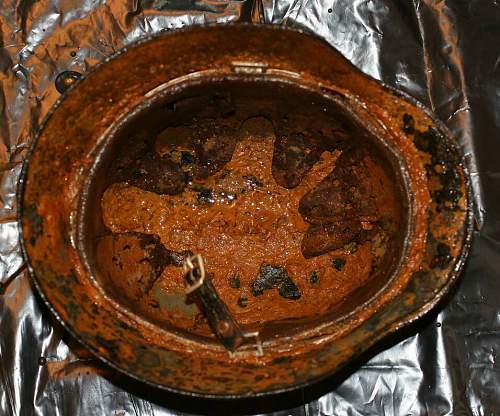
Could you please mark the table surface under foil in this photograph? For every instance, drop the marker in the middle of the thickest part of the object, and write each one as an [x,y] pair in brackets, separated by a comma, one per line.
[445,53]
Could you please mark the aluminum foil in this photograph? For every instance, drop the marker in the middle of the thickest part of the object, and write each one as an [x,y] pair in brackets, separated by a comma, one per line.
[445,53]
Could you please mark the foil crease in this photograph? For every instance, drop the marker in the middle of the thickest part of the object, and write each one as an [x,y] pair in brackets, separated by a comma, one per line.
[445,53]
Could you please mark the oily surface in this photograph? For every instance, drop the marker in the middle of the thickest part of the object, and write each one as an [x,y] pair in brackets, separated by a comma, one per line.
[325,233]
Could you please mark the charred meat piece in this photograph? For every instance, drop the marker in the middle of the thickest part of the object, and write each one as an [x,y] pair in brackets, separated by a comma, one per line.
[289,290]
[175,138]
[340,208]
[158,174]
[275,276]
[214,147]
[295,153]
[322,238]
[343,194]
[134,261]
[165,163]
[141,166]
[338,263]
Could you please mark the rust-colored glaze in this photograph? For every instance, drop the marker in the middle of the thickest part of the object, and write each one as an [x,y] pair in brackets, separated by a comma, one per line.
[423,157]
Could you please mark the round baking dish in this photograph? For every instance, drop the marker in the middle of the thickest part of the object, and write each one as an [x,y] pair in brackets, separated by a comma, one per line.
[363,210]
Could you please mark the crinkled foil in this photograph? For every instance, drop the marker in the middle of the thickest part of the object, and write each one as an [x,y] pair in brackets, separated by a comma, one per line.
[446,53]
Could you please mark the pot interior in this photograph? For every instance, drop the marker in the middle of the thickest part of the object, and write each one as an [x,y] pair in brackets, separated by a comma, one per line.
[299,211]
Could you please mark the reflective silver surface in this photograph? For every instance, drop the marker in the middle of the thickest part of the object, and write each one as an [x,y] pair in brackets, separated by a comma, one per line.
[445,53]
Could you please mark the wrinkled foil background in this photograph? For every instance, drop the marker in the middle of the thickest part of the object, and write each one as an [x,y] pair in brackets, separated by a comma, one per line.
[446,53]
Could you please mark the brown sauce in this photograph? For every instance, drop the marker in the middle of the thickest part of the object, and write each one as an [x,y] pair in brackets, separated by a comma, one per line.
[239,219]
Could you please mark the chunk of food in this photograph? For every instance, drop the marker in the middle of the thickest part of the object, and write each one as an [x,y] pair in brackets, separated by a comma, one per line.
[275,277]
[341,209]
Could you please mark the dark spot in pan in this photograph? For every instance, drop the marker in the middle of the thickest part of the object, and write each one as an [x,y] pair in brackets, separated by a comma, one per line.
[36,222]
[408,124]
[314,278]
[443,256]
[338,263]
[252,181]
[243,302]
[295,153]
[234,282]
[442,154]
[275,276]
[108,344]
